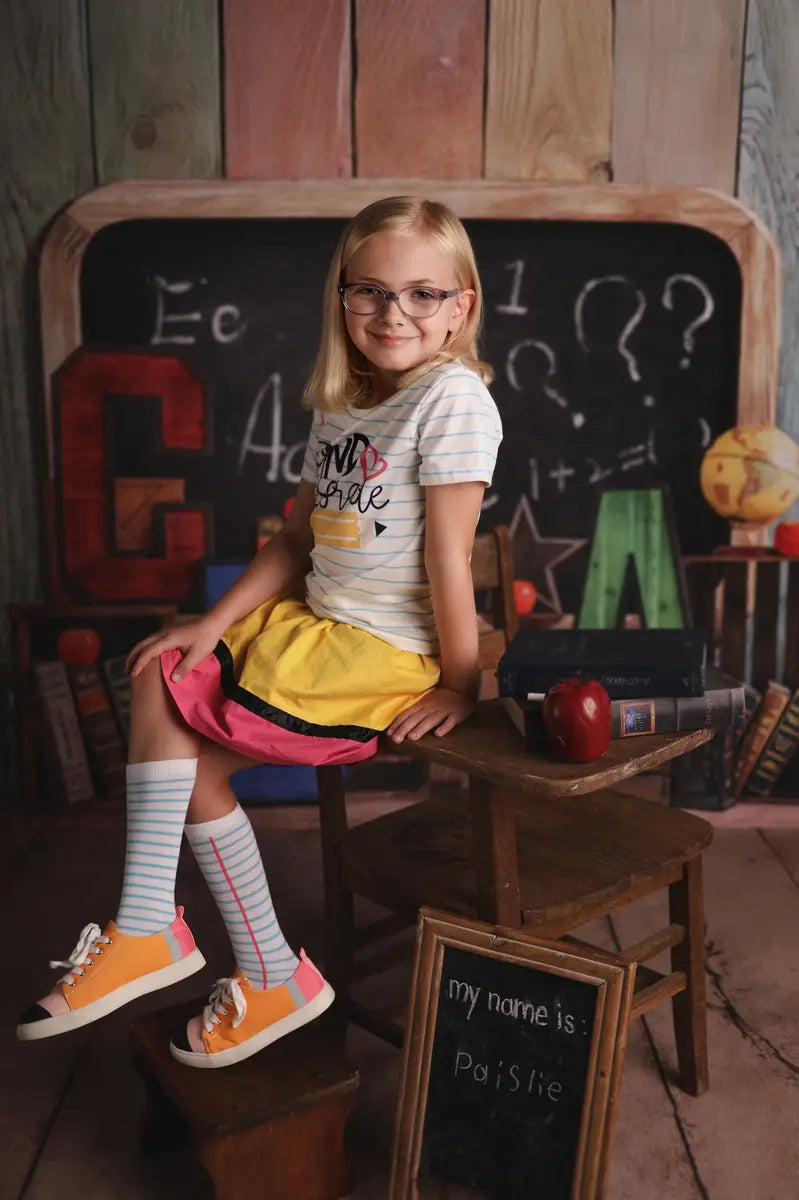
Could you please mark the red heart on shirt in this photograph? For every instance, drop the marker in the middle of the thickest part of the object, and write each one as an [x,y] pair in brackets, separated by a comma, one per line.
[377,466]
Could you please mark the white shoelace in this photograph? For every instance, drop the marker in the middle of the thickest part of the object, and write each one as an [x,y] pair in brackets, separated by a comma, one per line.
[89,943]
[224,991]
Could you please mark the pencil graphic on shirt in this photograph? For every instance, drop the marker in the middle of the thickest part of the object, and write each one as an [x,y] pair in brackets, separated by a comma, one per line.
[337,529]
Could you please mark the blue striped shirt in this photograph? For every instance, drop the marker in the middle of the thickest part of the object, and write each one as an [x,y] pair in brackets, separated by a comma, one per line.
[370,468]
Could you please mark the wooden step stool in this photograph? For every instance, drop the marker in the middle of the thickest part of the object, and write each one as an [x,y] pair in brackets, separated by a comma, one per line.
[270,1127]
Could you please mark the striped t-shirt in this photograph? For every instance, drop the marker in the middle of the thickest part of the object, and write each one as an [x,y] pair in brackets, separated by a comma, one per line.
[370,468]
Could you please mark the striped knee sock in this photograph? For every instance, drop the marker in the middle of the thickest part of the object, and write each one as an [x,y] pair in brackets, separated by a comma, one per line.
[158,797]
[230,860]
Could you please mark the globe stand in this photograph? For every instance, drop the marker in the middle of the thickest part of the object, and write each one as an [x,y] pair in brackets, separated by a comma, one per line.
[747,543]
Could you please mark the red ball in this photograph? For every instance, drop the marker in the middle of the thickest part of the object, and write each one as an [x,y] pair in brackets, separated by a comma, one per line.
[524,596]
[77,647]
[576,716]
[287,507]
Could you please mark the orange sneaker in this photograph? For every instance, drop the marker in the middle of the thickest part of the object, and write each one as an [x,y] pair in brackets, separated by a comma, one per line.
[106,970]
[239,1020]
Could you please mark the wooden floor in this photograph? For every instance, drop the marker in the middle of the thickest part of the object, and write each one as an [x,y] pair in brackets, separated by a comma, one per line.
[69,1107]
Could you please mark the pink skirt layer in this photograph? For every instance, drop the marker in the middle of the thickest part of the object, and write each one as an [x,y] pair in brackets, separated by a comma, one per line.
[205,707]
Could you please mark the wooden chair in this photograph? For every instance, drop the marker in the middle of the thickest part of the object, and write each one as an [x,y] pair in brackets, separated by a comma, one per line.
[528,848]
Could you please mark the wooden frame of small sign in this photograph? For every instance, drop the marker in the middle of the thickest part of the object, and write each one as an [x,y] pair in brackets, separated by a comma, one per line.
[593,1055]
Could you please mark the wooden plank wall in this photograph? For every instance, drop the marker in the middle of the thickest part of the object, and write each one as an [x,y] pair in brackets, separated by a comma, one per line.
[155,89]
[288,74]
[548,101]
[419,88]
[646,91]
[676,91]
[769,167]
[45,160]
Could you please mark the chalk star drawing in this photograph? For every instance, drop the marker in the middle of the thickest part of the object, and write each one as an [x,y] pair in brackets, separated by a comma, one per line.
[535,556]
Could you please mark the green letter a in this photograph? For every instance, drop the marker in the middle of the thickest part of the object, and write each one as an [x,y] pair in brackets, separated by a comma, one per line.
[634,531]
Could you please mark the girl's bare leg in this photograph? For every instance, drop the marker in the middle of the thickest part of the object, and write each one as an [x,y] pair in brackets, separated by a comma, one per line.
[157,730]
[213,796]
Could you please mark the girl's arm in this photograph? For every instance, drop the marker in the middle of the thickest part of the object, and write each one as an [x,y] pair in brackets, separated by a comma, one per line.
[282,558]
[452,513]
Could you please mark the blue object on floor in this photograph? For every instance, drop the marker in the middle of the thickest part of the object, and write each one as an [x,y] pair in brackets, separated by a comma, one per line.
[269,784]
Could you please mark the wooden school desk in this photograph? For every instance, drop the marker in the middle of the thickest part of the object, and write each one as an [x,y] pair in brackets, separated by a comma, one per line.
[540,844]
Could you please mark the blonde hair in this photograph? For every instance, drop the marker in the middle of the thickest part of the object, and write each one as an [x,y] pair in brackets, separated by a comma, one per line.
[341,374]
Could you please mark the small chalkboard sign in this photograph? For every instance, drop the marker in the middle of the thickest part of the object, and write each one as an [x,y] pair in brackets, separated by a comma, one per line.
[511,1065]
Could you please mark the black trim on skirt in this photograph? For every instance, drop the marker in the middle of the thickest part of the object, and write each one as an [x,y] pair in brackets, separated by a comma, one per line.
[254,704]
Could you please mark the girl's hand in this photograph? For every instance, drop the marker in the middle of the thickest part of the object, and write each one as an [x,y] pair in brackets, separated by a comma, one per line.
[442,709]
[196,639]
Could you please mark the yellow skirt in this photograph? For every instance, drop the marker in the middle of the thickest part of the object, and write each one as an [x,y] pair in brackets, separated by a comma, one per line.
[286,686]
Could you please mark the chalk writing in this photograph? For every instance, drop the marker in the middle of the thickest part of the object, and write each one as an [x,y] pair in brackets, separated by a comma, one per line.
[226,322]
[709,305]
[550,390]
[513,308]
[630,326]
[519,1008]
[284,461]
[591,470]
[510,1077]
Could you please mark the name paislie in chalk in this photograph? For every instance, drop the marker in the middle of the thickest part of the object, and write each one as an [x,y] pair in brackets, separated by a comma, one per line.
[511,1077]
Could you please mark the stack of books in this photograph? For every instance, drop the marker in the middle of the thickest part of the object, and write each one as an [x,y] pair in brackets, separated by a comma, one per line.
[768,742]
[659,682]
[658,679]
[85,712]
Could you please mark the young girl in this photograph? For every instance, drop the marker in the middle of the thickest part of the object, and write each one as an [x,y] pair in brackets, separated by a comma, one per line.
[380,635]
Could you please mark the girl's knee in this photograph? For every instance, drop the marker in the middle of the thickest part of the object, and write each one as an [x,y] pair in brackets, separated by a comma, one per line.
[150,679]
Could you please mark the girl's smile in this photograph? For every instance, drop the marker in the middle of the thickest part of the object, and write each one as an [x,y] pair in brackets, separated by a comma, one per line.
[388,339]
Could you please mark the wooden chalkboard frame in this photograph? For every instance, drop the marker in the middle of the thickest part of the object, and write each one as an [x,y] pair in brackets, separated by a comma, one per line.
[703,208]
[614,980]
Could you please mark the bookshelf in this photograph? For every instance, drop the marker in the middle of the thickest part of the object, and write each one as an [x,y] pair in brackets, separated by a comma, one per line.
[746,607]
[35,630]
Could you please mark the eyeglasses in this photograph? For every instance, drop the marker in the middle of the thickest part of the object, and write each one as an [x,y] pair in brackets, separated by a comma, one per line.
[367,299]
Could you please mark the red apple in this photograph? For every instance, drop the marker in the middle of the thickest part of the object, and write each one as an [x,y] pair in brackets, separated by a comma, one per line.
[524,596]
[576,716]
[78,647]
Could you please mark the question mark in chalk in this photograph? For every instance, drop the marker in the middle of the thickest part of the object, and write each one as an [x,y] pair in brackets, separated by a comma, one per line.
[626,333]
[548,385]
[667,300]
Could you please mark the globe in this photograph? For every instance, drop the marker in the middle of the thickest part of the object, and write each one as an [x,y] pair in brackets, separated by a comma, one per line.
[751,474]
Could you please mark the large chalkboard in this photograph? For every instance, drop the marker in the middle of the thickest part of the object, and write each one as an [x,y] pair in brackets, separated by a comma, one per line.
[510,1065]
[623,346]
[616,349]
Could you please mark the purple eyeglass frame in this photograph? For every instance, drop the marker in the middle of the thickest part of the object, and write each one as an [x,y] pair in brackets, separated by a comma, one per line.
[441,293]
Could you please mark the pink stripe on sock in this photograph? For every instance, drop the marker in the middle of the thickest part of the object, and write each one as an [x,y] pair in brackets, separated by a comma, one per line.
[241,908]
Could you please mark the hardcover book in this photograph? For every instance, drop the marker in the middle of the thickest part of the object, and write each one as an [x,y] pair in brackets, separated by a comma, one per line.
[763,722]
[61,719]
[722,706]
[629,663]
[106,752]
[780,748]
